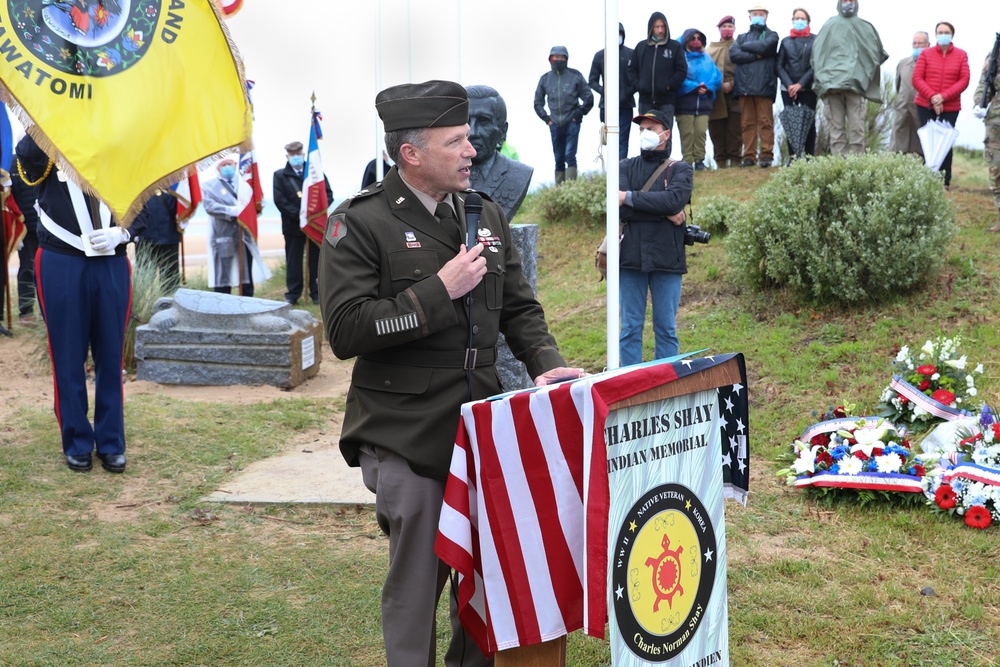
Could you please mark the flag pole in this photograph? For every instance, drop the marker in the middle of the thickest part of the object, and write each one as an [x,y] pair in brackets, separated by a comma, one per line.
[183,267]
[611,78]
[239,247]
[309,241]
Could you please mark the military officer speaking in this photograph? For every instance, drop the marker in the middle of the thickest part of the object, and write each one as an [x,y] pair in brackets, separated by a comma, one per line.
[400,291]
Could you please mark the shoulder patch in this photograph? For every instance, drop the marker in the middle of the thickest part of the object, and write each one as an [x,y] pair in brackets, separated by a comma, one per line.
[336,228]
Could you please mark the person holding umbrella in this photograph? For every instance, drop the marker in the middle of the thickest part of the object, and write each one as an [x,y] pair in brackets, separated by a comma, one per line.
[796,75]
[940,76]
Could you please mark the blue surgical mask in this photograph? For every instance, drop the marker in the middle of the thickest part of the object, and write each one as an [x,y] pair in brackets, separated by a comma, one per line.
[800,24]
[944,39]
[757,20]
[916,52]
[296,160]
[227,171]
[847,8]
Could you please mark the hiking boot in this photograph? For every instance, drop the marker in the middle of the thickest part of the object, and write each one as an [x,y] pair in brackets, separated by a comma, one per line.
[747,162]
[700,166]
[764,164]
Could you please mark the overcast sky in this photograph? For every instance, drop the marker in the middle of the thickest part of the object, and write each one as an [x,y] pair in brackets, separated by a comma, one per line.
[296,47]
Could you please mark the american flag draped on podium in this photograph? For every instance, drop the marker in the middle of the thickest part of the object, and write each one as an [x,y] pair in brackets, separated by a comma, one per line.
[528,487]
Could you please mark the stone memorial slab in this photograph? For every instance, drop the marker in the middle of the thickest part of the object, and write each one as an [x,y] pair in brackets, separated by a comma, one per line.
[205,338]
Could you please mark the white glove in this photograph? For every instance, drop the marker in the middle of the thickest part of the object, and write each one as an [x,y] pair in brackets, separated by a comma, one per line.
[234,211]
[104,240]
[980,112]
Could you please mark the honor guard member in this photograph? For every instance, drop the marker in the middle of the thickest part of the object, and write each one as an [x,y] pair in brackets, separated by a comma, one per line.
[400,291]
[84,287]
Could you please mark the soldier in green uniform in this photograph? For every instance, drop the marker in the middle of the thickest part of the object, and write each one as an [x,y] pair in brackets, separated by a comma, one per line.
[400,291]
[991,115]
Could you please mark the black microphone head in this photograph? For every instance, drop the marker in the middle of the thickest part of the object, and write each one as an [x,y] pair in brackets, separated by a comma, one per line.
[473,203]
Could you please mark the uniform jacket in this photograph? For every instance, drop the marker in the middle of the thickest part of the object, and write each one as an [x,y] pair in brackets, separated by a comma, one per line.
[626,94]
[383,303]
[55,199]
[905,120]
[992,148]
[287,187]
[651,242]
[755,53]
[793,61]
[568,96]
[725,103]
[657,70]
[161,221]
[701,69]
[939,73]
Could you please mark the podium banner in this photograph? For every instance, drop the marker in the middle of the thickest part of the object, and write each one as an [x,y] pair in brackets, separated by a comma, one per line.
[525,520]
[666,531]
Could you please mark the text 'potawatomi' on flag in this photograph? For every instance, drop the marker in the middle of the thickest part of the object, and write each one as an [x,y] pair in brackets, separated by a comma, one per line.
[312,210]
[123,95]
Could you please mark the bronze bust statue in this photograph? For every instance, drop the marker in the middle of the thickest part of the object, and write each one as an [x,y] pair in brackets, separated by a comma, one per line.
[504,180]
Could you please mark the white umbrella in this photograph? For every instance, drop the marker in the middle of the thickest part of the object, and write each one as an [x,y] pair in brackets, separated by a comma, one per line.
[936,138]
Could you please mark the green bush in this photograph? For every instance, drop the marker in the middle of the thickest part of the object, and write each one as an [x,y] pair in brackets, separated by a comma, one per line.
[716,214]
[578,202]
[852,229]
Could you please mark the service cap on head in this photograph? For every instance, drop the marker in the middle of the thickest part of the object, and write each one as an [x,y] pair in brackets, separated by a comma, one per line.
[759,8]
[655,114]
[725,19]
[415,106]
[293,147]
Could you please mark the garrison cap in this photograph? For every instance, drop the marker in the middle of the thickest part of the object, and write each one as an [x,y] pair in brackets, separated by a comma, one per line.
[293,147]
[412,106]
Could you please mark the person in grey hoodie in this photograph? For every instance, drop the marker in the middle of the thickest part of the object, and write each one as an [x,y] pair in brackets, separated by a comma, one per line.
[569,100]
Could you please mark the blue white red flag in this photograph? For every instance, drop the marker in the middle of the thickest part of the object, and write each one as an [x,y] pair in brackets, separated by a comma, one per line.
[249,173]
[313,209]
[188,194]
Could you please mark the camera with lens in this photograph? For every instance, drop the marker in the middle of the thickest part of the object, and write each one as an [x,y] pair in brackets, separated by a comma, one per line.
[694,234]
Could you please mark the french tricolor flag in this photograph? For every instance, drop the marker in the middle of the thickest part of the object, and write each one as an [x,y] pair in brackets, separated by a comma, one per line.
[312,212]
[188,194]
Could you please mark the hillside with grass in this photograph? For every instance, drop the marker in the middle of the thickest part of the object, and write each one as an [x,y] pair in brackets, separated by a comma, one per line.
[138,570]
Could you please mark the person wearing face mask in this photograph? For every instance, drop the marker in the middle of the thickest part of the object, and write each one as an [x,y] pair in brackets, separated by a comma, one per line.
[696,97]
[569,99]
[796,73]
[846,59]
[224,198]
[755,53]
[626,94]
[724,124]
[940,76]
[653,193]
[905,120]
[287,185]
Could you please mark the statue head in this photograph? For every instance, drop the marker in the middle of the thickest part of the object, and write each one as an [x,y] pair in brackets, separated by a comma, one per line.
[487,122]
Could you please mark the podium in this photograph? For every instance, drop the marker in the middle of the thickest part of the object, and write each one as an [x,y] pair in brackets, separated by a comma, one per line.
[597,501]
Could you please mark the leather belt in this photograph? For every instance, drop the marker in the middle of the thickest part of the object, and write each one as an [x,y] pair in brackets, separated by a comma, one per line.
[468,359]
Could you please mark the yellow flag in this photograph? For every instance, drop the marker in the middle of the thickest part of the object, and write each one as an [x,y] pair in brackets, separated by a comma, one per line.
[124,94]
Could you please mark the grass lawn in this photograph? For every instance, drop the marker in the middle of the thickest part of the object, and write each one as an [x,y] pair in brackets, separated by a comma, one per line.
[136,570]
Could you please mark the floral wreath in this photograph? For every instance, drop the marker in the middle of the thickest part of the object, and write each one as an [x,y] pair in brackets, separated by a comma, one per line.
[931,388]
[966,479]
[854,453]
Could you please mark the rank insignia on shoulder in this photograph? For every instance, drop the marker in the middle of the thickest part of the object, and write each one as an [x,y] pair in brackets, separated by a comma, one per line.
[336,228]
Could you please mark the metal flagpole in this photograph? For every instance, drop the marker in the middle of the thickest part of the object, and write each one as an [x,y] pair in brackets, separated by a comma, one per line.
[239,247]
[611,76]
[379,164]
[183,266]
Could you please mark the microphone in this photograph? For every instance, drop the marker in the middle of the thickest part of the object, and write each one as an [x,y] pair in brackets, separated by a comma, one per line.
[473,209]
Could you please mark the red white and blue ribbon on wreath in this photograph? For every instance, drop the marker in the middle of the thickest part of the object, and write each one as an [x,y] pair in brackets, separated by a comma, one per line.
[918,397]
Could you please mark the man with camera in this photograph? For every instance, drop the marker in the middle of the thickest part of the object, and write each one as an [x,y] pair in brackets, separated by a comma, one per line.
[654,191]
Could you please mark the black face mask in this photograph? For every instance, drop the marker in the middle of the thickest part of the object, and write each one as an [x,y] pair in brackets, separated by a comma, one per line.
[558,65]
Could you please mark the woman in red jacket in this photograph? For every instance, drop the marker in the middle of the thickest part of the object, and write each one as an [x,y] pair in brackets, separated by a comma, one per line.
[940,76]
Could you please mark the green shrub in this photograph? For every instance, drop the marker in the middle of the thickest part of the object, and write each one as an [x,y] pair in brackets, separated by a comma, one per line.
[851,229]
[147,287]
[716,214]
[578,202]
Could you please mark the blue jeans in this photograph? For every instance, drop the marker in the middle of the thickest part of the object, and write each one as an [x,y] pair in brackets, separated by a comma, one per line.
[665,291]
[564,141]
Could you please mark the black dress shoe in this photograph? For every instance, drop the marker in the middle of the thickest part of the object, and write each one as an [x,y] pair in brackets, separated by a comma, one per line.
[112,462]
[80,463]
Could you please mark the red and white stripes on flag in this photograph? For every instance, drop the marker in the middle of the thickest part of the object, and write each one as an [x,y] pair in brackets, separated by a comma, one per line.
[314,205]
[249,173]
[188,194]
[525,515]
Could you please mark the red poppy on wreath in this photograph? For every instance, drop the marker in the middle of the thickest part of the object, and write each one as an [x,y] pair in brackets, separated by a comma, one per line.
[821,439]
[903,400]
[927,369]
[945,497]
[824,458]
[924,386]
[943,396]
[978,516]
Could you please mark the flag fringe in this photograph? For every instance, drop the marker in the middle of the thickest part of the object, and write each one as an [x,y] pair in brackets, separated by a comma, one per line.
[163,183]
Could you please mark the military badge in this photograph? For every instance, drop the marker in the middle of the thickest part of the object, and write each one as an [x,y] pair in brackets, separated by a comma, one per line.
[336,228]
